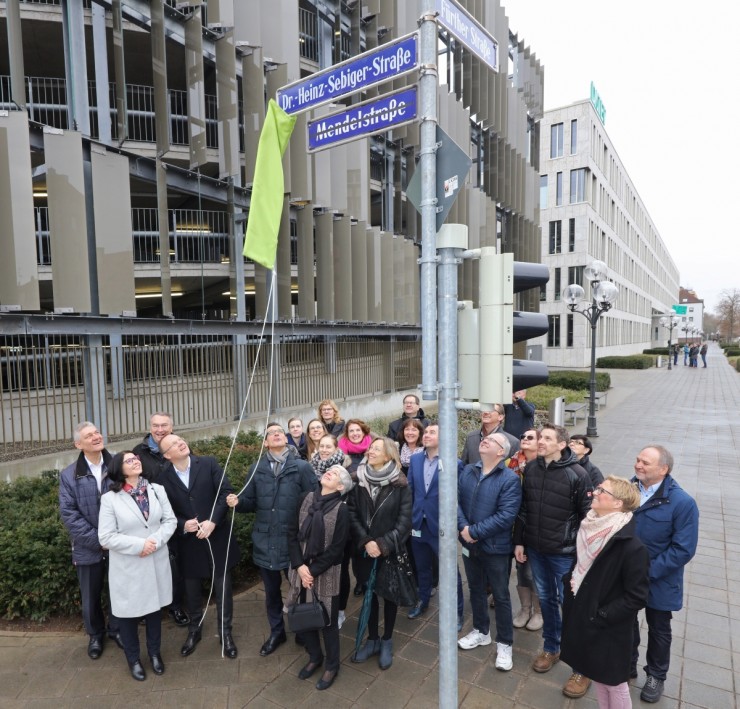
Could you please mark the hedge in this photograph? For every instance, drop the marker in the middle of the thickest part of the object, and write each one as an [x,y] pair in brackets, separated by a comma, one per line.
[732,351]
[656,351]
[578,380]
[626,362]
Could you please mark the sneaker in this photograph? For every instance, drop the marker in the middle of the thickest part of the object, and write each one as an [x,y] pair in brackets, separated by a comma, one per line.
[576,686]
[504,661]
[545,660]
[341,617]
[473,639]
[653,690]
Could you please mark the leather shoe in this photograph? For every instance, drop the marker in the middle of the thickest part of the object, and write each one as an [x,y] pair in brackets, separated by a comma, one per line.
[359,590]
[417,611]
[325,683]
[137,671]
[309,669]
[229,647]
[94,648]
[192,640]
[271,644]
[116,638]
[179,616]
[157,664]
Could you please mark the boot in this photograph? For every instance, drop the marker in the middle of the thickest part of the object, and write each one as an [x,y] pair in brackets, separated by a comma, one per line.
[535,622]
[525,599]
[370,648]
[386,654]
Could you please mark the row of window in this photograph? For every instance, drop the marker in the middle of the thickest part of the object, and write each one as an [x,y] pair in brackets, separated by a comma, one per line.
[556,139]
[577,188]
[610,331]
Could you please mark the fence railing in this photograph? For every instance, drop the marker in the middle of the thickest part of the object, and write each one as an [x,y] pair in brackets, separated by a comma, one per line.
[48,384]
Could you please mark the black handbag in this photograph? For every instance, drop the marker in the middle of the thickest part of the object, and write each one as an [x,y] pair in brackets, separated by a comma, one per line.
[308,616]
[395,580]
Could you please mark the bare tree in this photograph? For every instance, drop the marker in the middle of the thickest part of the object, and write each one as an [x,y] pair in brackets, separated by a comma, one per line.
[728,311]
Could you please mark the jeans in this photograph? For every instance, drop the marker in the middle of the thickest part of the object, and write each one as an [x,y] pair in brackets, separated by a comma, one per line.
[658,656]
[493,569]
[704,360]
[129,628]
[548,571]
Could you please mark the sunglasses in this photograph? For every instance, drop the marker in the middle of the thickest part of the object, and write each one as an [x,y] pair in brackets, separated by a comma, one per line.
[527,437]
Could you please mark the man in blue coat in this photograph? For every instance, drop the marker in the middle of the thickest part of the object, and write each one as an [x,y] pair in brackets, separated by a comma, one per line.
[668,525]
[276,484]
[488,500]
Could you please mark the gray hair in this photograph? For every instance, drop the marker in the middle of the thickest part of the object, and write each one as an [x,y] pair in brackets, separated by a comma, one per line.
[344,477]
[665,457]
[79,428]
[503,441]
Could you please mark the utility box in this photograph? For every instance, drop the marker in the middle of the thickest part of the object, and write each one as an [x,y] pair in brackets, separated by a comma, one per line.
[556,411]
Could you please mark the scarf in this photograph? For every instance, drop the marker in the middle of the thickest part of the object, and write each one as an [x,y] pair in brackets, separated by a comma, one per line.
[278,460]
[321,466]
[139,496]
[372,480]
[593,535]
[354,448]
[406,454]
[312,530]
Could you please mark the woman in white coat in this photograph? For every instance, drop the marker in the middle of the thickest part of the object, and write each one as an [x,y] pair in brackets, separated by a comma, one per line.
[136,520]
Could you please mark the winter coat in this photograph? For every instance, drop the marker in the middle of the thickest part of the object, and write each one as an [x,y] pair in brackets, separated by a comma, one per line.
[138,585]
[668,525]
[335,428]
[152,461]
[598,621]
[79,507]
[594,474]
[519,417]
[488,506]
[275,500]
[395,426]
[207,485]
[470,452]
[554,501]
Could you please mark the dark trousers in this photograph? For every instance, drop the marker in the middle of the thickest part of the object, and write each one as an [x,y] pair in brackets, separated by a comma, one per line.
[178,582]
[331,639]
[493,570]
[91,578]
[658,655]
[344,583]
[390,610]
[224,602]
[272,581]
[426,553]
[129,629]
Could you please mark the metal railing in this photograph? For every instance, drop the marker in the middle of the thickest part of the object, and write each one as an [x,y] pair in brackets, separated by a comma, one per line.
[49,383]
[308,34]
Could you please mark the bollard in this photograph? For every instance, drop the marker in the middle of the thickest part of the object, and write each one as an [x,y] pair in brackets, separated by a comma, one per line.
[556,411]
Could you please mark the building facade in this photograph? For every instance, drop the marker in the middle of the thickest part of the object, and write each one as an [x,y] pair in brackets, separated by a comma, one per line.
[589,210]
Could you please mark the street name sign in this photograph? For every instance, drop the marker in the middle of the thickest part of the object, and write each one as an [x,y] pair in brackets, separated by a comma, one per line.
[462,25]
[388,61]
[374,116]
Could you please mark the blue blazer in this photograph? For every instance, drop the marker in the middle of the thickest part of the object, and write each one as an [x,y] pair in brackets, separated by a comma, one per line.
[425,502]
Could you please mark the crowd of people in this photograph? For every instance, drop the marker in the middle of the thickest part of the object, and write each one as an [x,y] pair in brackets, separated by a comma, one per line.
[590,551]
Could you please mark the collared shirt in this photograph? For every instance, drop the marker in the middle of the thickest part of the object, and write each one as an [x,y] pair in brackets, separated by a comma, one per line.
[96,470]
[430,467]
[184,475]
[647,492]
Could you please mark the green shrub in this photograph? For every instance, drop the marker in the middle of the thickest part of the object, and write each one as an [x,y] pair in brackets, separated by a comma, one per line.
[656,351]
[732,351]
[576,380]
[542,394]
[626,362]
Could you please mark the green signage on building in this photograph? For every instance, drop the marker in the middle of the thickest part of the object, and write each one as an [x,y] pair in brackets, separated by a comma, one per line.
[598,104]
[679,309]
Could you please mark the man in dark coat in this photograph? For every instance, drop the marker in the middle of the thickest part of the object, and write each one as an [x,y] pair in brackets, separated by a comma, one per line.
[491,422]
[279,482]
[519,414]
[411,410]
[80,486]
[152,465]
[197,489]
[668,525]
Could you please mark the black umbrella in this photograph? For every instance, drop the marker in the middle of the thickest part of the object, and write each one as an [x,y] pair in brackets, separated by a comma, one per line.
[365,610]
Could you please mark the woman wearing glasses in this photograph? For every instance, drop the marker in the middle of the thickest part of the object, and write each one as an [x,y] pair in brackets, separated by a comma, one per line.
[529,615]
[136,520]
[581,446]
[604,592]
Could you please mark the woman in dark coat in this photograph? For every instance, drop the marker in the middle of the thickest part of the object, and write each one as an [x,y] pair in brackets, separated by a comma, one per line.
[604,592]
[380,508]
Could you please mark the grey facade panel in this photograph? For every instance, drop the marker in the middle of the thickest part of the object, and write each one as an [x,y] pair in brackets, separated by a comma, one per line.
[227,108]
[15,52]
[342,269]
[196,89]
[253,90]
[358,233]
[305,229]
[325,266]
[159,77]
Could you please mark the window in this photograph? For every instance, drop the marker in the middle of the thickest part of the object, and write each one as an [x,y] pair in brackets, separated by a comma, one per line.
[553,331]
[575,275]
[569,331]
[543,293]
[573,136]
[571,235]
[543,191]
[557,284]
[556,234]
[558,189]
[577,185]
[556,140]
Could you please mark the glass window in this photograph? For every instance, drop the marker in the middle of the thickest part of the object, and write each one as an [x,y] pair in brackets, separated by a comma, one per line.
[575,275]
[553,332]
[558,189]
[569,331]
[556,237]
[543,293]
[571,235]
[557,284]
[556,140]
[543,191]
[577,185]
[573,136]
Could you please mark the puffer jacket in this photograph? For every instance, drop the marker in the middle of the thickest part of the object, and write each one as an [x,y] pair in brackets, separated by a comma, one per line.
[488,506]
[79,507]
[555,498]
[594,474]
[275,501]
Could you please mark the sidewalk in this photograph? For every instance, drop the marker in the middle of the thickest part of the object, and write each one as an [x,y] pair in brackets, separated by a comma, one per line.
[693,412]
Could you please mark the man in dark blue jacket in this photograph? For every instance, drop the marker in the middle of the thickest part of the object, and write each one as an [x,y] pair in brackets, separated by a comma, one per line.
[489,496]
[276,484]
[80,486]
[668,525]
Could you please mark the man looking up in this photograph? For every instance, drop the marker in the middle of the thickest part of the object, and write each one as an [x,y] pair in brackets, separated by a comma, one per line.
[491,422]
[411,410]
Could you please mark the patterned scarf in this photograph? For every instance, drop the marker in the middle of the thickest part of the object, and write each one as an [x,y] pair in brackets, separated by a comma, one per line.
[278,460]
[372,480]
[593,534]
[139,496]
[406,454]
[321,466]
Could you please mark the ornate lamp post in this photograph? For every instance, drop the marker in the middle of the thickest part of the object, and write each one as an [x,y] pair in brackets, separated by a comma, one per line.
[603,295]
[669,322]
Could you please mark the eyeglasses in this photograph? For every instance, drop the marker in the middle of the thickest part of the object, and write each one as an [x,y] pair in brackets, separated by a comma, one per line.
[599,490]
[577,443]
[132,459]
[525,437]
[275,432]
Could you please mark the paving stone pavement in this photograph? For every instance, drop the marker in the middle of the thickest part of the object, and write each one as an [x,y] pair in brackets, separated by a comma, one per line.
[694,412]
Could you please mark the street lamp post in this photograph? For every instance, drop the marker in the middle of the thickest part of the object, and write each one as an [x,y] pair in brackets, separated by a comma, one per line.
[669,322]
[603,295]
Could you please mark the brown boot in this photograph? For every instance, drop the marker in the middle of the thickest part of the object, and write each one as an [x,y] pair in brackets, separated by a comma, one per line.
[545,661]
[525,599]
[535,622]
[576,686]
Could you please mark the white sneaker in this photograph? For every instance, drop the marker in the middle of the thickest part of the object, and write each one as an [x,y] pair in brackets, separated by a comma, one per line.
[504,660]
[473,639]
[341,617]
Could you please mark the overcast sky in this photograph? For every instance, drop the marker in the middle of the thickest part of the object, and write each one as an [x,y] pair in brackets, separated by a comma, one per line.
[667,73]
